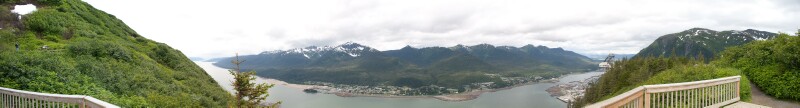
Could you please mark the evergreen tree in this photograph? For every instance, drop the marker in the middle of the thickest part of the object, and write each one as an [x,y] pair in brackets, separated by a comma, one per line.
[249,94]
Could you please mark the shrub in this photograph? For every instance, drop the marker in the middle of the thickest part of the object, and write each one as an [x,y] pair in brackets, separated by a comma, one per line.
[50,2]
[47,21]
[99,49]
[166,55]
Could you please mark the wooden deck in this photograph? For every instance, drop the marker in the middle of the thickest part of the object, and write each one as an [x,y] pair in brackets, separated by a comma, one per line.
[713,93]
[13,98]
[744,105]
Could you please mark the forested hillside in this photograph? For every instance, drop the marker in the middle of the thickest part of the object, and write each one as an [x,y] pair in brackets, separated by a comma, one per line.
[69,47]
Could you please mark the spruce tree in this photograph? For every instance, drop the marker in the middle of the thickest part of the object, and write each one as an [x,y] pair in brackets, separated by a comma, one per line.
[248,93]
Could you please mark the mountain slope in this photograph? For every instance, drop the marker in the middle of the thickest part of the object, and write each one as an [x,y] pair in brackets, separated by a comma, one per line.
[69,47]
[697,41]
[423,57]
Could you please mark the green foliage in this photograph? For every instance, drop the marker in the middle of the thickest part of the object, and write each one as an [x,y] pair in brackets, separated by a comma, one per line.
[48,21]
[166,55]
[51,2]
[93,53]
[42,72]
[773,65]
[99,49]
[8,1]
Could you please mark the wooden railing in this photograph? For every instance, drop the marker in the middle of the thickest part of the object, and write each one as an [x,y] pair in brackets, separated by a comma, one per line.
[698,94]
[12,98]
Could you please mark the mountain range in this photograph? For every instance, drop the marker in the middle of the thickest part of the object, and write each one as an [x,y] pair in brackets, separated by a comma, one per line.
[353,63]
[701,41]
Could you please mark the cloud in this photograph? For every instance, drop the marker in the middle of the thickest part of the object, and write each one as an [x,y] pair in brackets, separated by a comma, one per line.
[205,28]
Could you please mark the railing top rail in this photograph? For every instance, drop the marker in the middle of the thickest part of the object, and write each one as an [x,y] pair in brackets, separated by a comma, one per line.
[100,102]
[29,94]
[710,81]
[614,99]
[41,94]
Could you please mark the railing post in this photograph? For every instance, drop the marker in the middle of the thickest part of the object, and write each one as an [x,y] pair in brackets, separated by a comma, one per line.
[737,87]
[646,99]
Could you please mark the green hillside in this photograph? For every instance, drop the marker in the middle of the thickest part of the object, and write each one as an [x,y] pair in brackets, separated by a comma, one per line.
[91,52]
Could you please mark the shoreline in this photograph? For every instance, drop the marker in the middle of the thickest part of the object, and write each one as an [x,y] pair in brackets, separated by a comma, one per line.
[448,97]
[458,96]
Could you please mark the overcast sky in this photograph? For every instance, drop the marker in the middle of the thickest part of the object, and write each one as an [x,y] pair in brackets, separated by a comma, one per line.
[215,28]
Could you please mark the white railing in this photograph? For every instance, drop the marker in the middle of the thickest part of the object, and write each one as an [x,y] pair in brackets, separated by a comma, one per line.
[711,93]
[12,98]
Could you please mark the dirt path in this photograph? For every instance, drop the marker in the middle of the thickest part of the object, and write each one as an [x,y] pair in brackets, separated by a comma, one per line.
[758,97]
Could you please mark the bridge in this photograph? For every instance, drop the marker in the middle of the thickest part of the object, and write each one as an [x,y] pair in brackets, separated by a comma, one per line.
[12,98]
[713,93]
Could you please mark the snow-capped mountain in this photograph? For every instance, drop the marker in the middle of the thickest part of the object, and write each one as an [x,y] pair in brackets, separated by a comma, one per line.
[701,41]
[312,52]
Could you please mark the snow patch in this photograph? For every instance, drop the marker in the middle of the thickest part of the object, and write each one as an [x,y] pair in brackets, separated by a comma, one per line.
[759,38]
[24,9]
[349,48]
[697,32]
[353,54]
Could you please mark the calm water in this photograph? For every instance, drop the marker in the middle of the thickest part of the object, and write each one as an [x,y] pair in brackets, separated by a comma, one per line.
[529,96]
